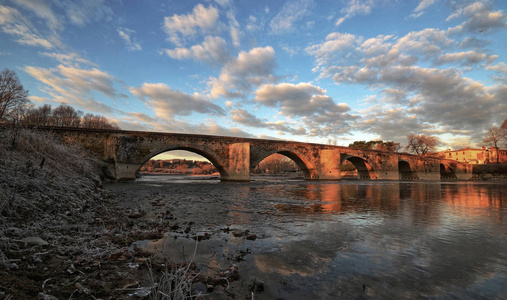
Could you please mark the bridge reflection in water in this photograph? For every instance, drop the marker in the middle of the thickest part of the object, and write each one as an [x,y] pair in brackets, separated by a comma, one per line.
[322,240]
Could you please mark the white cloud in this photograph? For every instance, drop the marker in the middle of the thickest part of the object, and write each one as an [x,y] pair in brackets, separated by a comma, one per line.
[212,50]
[416,96]
[130,42]
[500,67]
[43,10]
[467,57]
[239,75]
[292,12]
[424,4]
[478,18]
[76,86]
[77,12]
[243,117]
[202,18]
[141,121]
[302,99]
[84,12]
[419,10]
[168,103]
[355,7]
[289,50]
[14,23]
[68,59]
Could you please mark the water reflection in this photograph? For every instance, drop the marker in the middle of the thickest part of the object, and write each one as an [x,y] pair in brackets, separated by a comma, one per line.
[349,240]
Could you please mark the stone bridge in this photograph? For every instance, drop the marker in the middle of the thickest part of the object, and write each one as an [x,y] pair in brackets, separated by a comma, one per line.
[125,152]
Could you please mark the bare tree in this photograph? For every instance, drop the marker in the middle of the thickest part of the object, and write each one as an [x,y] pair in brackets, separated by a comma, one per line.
[389,146]
[275,164]
[12,93]
[97,122]
[40,116]
[66,116]
[421,144]
[493,138]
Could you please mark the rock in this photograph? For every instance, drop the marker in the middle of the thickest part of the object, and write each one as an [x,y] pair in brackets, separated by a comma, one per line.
[200,288]
[137,214]
[238,233]
[34,241]
[151,235]
[251,237]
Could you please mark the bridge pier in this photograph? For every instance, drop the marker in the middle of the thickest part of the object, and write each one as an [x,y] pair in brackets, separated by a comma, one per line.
[125,171]
[238,167]
[329,165]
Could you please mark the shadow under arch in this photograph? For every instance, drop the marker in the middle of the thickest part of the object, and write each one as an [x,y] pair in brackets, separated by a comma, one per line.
[213,159]
[364,169]
[406,171]
[446,172]
[299,162]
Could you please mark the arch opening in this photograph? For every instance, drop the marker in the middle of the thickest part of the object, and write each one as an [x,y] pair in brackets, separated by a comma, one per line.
[406,171]
[181,161]
[447,172]
[356,167]
[283,163]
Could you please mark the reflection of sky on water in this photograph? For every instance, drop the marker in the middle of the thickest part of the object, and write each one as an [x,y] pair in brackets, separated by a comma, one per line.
[327,240]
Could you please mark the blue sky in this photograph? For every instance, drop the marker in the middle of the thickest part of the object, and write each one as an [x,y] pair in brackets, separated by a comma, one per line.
[311,71]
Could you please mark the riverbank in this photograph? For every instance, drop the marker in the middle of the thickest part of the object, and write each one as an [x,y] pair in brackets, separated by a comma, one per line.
[61,235]
[495,172]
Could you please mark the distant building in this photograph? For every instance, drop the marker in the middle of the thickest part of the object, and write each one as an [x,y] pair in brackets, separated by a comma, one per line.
[475,156]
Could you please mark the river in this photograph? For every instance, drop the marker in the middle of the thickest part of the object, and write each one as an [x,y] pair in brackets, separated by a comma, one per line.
[337,240]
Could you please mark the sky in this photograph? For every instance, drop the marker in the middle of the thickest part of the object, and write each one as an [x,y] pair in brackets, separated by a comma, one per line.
[329,72]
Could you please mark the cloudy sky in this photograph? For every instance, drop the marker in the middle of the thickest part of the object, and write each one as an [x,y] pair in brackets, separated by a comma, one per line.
[306,70]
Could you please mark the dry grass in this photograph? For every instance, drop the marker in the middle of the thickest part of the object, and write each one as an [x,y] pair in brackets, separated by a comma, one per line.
[42,184]
[174,283]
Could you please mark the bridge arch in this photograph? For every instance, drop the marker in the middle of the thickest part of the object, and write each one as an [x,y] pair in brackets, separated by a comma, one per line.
[300,162]
[406,171]
[364,169]
[214,159]
[446,172]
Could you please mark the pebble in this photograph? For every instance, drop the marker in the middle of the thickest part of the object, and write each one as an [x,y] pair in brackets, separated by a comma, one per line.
[34,241]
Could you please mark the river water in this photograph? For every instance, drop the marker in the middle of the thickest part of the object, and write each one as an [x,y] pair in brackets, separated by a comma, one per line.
[338,240]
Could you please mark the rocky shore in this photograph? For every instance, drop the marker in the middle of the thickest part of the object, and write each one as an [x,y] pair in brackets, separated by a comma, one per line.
[62,236]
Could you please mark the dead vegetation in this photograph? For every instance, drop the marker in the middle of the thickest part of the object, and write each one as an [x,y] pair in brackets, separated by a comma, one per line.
[63,237]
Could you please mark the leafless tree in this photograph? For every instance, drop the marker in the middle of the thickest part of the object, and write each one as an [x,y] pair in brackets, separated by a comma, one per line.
[66,116]
[276,163]
[389,146]
[12,93]
[493,138]
[421,144]
[40,116]
[97,122]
